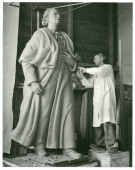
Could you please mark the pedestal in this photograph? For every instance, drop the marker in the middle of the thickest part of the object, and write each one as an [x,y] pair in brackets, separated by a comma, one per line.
[118,159]
[33,160]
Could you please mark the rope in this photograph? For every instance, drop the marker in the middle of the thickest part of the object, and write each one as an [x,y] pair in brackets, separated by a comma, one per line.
[11,4]
[75,8]
[63,6]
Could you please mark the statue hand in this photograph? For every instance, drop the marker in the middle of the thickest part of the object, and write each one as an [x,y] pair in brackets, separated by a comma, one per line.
[66,57]
[36,88]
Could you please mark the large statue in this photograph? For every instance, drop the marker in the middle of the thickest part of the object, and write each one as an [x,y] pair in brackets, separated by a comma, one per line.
[104,103]
[47,111]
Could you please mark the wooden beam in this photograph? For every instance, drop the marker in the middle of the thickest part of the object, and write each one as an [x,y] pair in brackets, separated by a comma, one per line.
[111,34]
[70,22]
[38,19]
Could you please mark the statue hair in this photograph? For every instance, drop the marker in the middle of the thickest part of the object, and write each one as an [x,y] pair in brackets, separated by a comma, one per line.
[45,17]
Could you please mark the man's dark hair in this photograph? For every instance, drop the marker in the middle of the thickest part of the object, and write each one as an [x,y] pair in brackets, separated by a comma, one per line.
[101,55]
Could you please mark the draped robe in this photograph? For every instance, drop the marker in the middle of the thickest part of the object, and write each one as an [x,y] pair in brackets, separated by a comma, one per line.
[47,119]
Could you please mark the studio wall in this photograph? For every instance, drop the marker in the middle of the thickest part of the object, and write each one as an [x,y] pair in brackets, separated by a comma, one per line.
[10,36]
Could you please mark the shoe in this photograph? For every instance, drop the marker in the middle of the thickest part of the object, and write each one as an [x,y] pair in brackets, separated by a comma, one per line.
[72,153]
[41,152]
[95,146]
[112,150]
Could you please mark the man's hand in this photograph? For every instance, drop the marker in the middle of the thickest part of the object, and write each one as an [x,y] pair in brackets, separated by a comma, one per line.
[80,75]
[85,82]
[66,57]
[82,69]
[36,87]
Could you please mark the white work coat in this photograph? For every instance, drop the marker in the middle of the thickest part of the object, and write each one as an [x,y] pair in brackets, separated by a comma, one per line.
[104,100]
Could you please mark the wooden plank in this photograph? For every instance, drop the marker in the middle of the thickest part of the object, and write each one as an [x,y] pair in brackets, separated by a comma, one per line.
[91,31]
[90,40]
[96,27]
[123,121]
[92,34]
[111,34]
[96,9]
[89,46]
[70,22]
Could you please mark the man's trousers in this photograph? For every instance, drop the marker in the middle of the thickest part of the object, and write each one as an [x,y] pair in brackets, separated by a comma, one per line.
[105,135]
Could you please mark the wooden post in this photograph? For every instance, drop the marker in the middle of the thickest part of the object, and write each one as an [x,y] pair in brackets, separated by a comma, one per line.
[111,34]
[123,123]
[38,19]
[31,15]
[70,22]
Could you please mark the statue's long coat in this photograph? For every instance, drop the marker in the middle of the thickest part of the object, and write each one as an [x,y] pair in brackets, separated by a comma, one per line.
[47,119]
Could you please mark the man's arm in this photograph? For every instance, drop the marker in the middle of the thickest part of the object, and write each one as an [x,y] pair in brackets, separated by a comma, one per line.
[88,83]
[101,71]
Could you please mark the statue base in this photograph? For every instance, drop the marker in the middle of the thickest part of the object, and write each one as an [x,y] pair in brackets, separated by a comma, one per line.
[117,159]
[58,160]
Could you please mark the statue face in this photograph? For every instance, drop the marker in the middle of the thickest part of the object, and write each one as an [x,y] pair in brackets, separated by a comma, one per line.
[54,17]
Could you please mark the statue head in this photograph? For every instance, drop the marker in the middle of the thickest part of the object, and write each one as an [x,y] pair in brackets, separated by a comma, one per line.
[51,14]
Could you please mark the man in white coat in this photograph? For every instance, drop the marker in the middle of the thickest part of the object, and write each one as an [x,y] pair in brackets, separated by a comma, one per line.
[104,102]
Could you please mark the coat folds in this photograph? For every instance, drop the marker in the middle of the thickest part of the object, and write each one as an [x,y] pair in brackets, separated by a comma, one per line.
[47,119]
[104,100]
